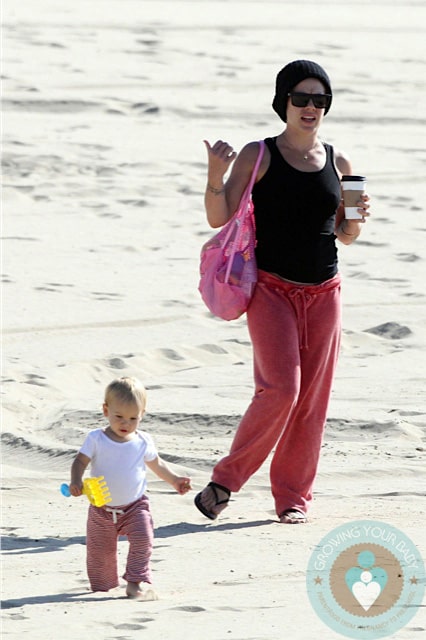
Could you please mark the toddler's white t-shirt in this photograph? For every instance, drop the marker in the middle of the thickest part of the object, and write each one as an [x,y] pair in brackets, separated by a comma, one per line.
[121,463]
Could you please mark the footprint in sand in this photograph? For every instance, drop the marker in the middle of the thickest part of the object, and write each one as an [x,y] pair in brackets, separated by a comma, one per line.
[33,378]
[407,257]
[145,108]
[53,287]
[390,330]
[189,609]
[171,354]
[130,627]
[105,295]
[117,363]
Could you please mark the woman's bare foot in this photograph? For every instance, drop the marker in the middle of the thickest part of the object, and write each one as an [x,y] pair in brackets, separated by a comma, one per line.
[141,591]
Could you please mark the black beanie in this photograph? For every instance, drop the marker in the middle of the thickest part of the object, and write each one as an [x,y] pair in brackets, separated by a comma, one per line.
[290,76]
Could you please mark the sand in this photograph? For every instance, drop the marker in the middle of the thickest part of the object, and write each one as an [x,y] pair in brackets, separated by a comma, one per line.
[105,106]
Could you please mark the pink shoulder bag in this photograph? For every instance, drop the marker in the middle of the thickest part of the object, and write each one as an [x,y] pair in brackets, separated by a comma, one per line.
[228,269]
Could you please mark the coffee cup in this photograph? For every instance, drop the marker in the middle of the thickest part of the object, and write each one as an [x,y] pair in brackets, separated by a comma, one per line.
[353,188]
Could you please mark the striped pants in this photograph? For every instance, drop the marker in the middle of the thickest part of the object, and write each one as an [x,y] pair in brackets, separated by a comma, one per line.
[103,529]
[295,331]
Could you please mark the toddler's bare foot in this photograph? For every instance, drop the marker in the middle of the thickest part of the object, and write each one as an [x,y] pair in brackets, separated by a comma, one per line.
[141,591]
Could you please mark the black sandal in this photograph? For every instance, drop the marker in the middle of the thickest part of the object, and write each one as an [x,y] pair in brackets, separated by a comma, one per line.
[210,514]
[293,516]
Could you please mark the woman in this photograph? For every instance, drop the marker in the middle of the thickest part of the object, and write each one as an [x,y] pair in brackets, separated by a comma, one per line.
[294,316]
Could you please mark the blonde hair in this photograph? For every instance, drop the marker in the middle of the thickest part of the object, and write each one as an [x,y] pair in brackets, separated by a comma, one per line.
[128,390]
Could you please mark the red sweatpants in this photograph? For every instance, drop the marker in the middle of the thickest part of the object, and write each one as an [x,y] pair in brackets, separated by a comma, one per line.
[295,332]
[135,522]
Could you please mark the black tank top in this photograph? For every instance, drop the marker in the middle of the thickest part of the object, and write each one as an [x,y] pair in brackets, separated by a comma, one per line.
[295,214]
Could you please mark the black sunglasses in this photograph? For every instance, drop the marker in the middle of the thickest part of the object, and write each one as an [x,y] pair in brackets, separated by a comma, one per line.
[320,100]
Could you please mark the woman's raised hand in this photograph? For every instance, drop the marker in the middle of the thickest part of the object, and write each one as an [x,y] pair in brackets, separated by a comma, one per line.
[220,156]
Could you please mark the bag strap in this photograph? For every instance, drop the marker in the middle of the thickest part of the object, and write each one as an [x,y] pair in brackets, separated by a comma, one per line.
[244,208]
[256,167]
[245,198]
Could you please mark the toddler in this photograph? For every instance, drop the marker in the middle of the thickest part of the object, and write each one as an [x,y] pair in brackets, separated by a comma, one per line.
[120,452]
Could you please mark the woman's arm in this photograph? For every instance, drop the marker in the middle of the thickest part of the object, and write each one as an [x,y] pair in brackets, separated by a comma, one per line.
[348,230]
[221,200]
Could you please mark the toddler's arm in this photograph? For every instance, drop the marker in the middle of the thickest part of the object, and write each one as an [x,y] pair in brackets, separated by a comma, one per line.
[78,468]
[182,484]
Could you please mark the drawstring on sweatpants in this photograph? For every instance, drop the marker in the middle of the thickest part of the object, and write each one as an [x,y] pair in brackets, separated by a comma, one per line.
[300,295]
[301,300]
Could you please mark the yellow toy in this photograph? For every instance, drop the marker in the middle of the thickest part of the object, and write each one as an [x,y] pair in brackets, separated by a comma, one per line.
[96,490]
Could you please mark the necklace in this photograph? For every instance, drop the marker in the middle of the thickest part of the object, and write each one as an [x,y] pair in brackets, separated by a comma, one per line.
[305,154]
